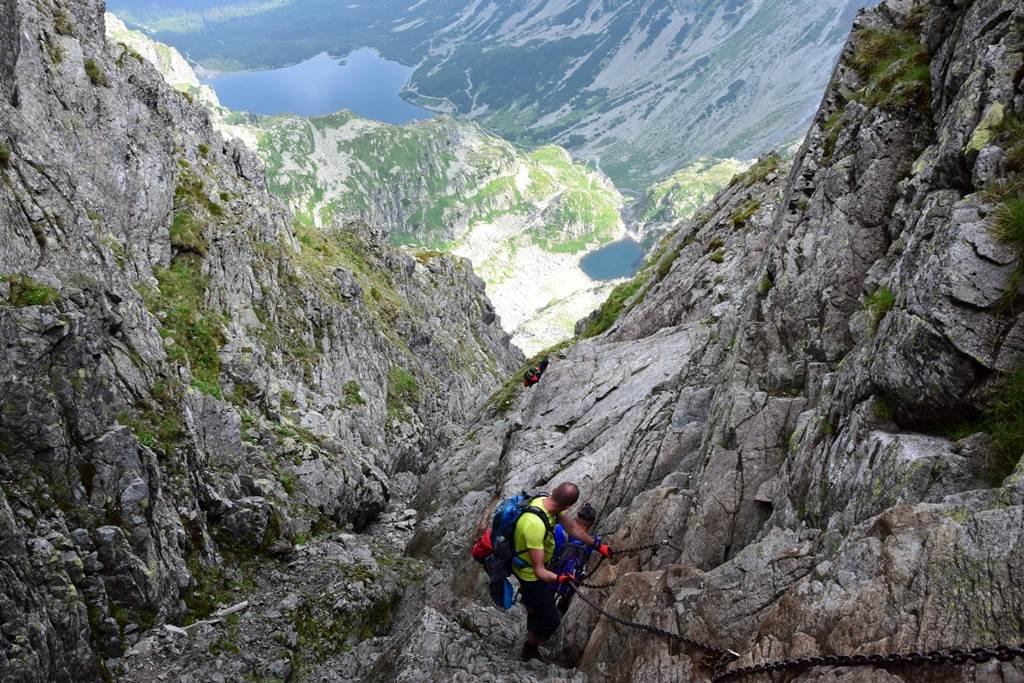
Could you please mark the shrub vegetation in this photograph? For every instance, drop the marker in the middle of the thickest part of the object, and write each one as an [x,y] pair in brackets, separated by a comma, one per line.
[353,395]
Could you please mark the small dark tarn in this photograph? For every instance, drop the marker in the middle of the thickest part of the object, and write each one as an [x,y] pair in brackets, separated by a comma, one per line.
[614,261]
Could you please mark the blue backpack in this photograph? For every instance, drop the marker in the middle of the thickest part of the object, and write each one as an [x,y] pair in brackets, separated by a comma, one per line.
[571,557]
[505,556]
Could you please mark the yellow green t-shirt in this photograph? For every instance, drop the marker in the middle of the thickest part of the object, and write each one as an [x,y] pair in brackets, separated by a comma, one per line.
[530,533]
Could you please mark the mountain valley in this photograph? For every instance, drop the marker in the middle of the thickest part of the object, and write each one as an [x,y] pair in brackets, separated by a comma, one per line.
[642,87]
[253,415]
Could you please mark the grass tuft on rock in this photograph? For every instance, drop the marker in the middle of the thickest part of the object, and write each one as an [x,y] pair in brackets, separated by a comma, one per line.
[879,303]
[187,233]
[62,22]
[1009,228]
[191,192]
[665,264]
[613,307]
[353,394]
[832,128]
[53,49]
[213,587]
[325,633]
[1003,419]
[895,68]
[1009,134]
[195,333]
[743,213]
[760,170]
[1010,223]
[288,481]
[127,51]
[95,73]
[427,255]
[28,292]
[403,389]
[158,429]
[5,156]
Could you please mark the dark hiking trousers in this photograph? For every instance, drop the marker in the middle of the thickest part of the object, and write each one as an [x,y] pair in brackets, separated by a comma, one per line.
[542,616]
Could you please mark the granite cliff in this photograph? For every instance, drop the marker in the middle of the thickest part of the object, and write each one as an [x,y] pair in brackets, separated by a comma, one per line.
[190,381]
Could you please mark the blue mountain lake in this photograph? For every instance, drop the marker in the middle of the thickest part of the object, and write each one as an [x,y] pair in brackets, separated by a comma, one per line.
[613,261]
[362,82]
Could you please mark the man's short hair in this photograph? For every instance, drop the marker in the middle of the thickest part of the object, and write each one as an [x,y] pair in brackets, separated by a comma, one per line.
[566,494]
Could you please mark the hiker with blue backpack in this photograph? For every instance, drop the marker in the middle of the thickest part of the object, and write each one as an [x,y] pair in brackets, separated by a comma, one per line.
[571,556]
[521,541]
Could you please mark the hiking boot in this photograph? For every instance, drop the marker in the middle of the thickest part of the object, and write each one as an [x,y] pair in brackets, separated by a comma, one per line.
[530,651]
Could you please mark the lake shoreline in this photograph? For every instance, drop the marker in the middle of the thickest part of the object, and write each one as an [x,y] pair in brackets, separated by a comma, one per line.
[614,261]
[362,82]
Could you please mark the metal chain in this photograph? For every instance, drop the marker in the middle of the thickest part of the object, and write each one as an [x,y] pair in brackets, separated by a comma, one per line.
[649,546]
[723,656]
[598,586]
[627,551]
[978,655]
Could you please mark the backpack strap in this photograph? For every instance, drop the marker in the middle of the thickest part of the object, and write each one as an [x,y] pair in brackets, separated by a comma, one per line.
[548,529]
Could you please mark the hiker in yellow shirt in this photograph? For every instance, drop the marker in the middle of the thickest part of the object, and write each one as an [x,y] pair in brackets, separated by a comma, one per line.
[535,534]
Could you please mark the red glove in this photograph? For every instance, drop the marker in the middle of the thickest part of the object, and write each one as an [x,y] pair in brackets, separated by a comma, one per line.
[565,578]
[605,550]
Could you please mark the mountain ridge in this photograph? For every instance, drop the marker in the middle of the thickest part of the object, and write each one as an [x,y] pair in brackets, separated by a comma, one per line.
[644,88]
[522,216]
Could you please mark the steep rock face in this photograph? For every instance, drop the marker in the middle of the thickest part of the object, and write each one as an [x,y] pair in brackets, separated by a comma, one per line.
[188,380]
[790,394]
[787,393]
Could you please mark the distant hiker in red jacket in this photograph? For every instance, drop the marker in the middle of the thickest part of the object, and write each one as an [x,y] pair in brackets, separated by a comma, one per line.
[532,376]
